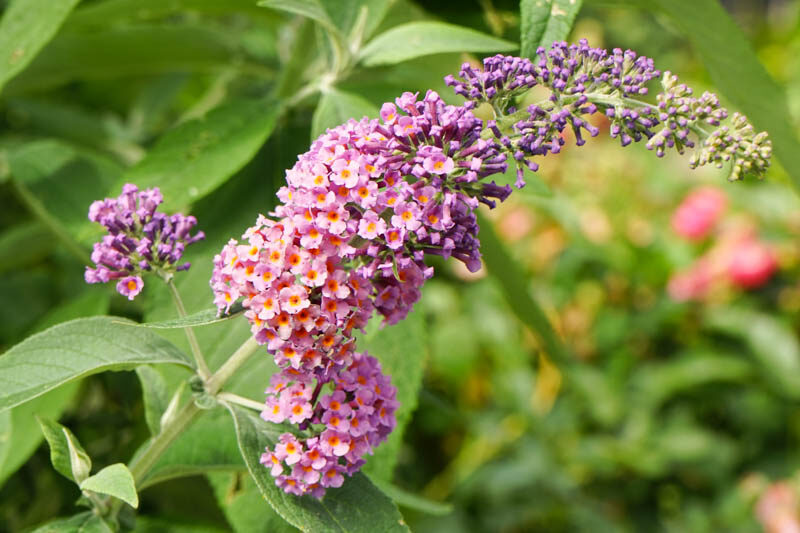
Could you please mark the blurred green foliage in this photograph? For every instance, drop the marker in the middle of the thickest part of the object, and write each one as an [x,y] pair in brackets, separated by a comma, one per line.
[654,416]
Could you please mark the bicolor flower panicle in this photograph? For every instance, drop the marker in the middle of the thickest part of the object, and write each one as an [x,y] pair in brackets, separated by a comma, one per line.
[371,198]
[139,239]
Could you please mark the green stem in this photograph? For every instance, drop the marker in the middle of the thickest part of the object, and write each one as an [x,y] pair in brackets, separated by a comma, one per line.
[172,429]
[239,400]
[202,367]
[141,464]
[239,357]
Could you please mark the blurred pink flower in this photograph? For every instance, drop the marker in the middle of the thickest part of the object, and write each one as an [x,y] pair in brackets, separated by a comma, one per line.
[696,215]
[777,509]
[691,284]
[751,264]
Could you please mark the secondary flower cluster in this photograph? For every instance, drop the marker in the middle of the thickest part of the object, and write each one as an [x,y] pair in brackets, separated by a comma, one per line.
[357,414]
[584,80]
[139,239]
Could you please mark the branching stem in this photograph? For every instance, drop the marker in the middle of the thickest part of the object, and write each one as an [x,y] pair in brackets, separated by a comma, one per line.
[202,367]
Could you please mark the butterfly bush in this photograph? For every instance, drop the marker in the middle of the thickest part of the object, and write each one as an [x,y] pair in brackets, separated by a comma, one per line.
[371,198]
[139,239]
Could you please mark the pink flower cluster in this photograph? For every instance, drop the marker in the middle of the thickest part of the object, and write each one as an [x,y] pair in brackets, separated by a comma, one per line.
[359,212]
[358,414]
[737,257]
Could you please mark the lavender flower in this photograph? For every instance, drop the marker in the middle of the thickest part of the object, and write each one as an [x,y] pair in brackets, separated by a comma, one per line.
[139,239]
[583,81]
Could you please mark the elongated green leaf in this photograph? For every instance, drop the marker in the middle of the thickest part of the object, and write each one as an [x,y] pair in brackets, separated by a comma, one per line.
[416,39]
[98,14]
[76,349]
[413,501]
[193,159]
[512,281]
[355,506]
[345,13]
[656,383]
[772,342]
[545,21]
[62,182]
[402,350]
[87,522]
[115,480]
[131,51]
[66,453]
[306,8]
[200,318]
[27,26]
[337,107]
[736,70]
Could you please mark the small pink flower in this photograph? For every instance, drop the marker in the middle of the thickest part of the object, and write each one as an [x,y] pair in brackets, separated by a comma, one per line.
[293,299]
[334,443]
[130,286]
[271,461]
[289,449]
[370,225]
[438,164]
[388,113]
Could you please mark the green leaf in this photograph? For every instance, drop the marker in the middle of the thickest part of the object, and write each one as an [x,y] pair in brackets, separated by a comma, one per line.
[657,383]
[416,39]
[25,435]
[132,51]
[66,453]
[355,506]
[337,107]
[345,13]
[307,8]
[737,71]
[19,432]
[402,350]
[155,394]
[76,349]
[61,182]
[200,318]
[771,341]
[98,14]
[545,21]
[86,522]
[24,244]
[512,281]
[196,157]
[26,27]
[243,506]
[412,501]
[115,480]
